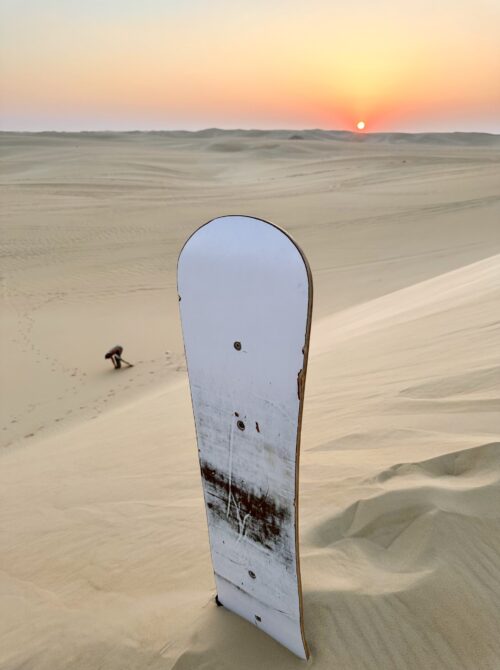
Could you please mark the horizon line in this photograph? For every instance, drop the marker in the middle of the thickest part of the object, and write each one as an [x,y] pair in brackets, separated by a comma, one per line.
[247,130]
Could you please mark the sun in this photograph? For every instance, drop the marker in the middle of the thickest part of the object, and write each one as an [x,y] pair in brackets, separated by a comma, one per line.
[360,125]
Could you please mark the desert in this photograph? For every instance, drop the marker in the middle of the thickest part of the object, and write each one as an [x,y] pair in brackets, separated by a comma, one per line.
[104,555]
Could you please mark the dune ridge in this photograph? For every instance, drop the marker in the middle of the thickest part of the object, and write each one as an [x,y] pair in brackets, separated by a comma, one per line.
[456,137]
[413,302]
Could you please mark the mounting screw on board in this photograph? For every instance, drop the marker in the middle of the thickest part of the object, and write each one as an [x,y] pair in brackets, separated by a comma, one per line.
[252,574]
[240,425]
[237,346]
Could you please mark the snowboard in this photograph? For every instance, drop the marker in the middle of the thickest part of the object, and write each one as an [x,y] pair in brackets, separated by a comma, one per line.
[245,292]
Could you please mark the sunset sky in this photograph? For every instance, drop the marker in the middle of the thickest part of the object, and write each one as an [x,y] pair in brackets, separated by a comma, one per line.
[168,64]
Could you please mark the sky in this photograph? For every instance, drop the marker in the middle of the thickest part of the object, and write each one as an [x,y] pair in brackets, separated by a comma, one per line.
[190,64]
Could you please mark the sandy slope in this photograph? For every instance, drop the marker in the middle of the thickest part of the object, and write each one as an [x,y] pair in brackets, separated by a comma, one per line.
[103,547]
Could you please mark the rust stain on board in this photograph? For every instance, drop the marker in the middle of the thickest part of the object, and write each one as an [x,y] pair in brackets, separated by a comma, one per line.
[266,520]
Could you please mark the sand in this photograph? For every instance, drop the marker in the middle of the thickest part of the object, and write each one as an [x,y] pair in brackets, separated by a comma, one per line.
[104,559]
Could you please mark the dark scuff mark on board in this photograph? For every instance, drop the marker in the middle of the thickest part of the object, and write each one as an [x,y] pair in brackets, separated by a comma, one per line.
[267,522]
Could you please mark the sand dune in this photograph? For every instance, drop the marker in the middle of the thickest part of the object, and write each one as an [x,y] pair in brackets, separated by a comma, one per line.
[104,558]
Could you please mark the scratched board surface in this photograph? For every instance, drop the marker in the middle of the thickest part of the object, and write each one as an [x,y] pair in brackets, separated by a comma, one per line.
[245,299]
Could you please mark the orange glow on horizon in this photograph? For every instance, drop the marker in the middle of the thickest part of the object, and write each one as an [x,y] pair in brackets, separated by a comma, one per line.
[195,67]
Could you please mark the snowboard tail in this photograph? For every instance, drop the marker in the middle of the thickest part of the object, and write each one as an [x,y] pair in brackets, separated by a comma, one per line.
[245,292]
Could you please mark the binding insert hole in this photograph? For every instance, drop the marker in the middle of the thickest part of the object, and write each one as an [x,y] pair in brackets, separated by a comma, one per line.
[240,425]
[237,346]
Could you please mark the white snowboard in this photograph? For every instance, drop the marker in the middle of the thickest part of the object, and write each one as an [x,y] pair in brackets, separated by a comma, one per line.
[245,294]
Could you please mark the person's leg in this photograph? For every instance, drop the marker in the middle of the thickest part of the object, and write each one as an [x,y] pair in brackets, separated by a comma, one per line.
[118,362]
